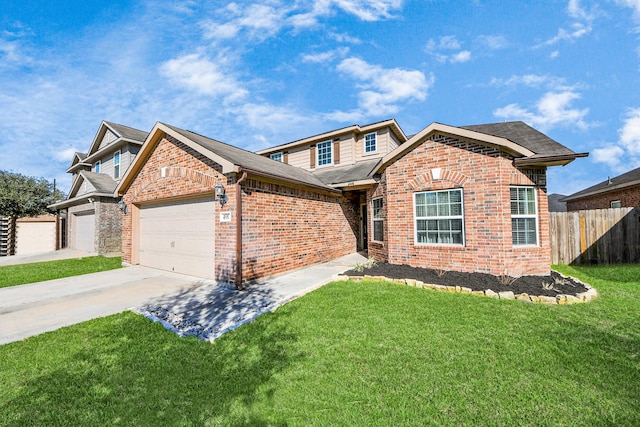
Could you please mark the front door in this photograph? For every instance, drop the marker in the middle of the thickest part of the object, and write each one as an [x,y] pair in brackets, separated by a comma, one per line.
[364,230]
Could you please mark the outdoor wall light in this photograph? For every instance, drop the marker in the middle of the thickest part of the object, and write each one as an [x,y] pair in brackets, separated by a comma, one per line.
[122,207]
[220,194]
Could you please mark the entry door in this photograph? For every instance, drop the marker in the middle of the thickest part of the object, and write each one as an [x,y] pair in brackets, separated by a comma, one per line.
[364,230]
[179,236]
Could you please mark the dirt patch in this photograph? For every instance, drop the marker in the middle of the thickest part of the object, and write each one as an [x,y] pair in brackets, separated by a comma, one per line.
[552,285]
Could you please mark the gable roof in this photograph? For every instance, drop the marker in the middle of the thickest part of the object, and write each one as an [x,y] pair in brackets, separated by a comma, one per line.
[530,138]
[627,179]
[391,123]
[529,146]
[103,186]
[124,134]
[232,159]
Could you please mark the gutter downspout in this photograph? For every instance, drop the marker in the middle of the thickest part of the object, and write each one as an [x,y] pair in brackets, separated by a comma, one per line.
[239,230]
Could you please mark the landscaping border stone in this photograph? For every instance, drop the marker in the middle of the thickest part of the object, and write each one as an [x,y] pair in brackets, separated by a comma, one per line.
[561,299]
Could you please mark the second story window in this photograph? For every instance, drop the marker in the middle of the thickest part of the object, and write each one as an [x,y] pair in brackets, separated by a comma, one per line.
[276,156]
[325,153]
[116,164]
[97,166]
[370,143]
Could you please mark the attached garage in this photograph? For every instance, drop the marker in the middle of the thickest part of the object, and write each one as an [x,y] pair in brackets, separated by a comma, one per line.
[85,231]
[179,236]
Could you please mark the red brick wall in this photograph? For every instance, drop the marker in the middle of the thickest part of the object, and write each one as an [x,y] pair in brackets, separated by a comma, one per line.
[283,227]
[485,175]
[286,228]
[629,198]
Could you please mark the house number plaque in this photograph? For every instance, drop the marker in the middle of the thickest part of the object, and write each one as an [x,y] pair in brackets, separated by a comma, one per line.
[225,216]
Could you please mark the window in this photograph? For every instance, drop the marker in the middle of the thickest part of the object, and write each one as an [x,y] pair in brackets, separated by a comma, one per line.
[378,219]
[276,156]
[325,153]
[370,143]
[97,166]
[116,164]
[616,204]
[439,218]
[524,216]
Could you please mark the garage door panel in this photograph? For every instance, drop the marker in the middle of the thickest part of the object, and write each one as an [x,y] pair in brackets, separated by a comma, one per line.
[179,236]
[85,231]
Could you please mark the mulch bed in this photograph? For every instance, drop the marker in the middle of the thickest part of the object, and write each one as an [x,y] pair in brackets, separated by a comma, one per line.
[552,285]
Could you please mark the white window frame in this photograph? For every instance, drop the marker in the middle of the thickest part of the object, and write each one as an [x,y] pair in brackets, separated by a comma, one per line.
[375,143]
[377,217]
[97,166]
[328,144]
[116,166]
[618,204]
[437,217]
[278,157]
[531,216]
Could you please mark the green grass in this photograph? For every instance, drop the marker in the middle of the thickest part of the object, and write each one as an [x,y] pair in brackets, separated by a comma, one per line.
[368,353]
[12,275]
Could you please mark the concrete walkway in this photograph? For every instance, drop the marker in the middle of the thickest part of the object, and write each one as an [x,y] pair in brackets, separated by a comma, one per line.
[184,304]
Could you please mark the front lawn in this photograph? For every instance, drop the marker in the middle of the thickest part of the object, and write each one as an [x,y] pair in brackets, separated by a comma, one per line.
[12,275]
[366,353]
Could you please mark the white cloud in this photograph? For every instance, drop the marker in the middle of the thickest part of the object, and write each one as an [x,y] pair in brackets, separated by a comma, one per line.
[441,50]
[630,133]
[552,110]
[259,20]
[633,4]
[370,10]
[610,155]
[204,76]
[324,57]
[493,42]
[581,26]
[531,80]
[462,56]
[382,89]
[263,20]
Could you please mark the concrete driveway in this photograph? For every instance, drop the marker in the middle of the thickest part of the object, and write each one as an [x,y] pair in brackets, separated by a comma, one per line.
[35,308]
[186,305]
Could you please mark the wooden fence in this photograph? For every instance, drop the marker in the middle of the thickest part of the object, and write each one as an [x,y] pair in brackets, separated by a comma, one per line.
[597,236]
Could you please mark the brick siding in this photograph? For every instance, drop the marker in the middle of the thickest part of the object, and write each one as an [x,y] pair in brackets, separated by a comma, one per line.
[629,198]
[485,175]
[283,227]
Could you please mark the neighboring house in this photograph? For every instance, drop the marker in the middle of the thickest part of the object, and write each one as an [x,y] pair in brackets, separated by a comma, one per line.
[620,192]
[454,198]
[93,221]
[556,203]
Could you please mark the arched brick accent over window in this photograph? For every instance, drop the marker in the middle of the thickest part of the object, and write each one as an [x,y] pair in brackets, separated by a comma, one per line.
[426,180]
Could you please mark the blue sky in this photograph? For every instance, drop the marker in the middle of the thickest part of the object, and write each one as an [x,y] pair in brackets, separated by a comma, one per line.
[262,73]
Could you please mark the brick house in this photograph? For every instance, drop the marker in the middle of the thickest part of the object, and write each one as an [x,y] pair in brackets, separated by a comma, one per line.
[622,191]
[456,198]
[91,219]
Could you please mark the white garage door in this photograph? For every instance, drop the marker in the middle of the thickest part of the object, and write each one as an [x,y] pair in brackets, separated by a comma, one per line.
[85,233]
[179,236]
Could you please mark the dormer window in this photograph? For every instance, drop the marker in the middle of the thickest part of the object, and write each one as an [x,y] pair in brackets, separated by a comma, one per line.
[116,164]
[97,166]
[370,143]
[276,156]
